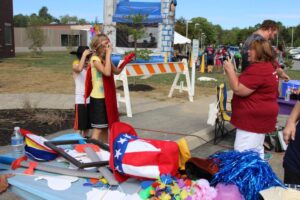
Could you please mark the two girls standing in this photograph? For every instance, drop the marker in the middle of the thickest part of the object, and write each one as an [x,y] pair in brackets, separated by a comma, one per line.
[101,111]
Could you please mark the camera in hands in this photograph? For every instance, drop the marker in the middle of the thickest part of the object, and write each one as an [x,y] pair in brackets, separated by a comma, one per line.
[226,57]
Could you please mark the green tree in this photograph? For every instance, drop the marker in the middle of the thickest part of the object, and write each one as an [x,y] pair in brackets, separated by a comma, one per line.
[44,18]
[43,14]
[219,32]
[37,39]
[230,36]
[180,26]
[67,19]
[135,28]
[82,21]
[297,36]
[243,34]
[204,27]
[35,20]
[35,35]
[21,20]
[216,35]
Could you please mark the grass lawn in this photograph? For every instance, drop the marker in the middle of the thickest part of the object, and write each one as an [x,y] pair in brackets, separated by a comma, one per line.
[294,74]
[51,73]
[55,61]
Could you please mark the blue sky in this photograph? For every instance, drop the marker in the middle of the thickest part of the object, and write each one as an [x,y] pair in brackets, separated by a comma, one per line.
[228,14]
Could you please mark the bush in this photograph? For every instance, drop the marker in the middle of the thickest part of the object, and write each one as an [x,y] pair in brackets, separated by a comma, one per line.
[37,39]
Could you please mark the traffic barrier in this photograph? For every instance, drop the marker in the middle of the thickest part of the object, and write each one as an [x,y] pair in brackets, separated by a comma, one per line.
[149,69]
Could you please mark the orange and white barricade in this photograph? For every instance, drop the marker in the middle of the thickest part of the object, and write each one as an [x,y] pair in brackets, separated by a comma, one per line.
[149,69]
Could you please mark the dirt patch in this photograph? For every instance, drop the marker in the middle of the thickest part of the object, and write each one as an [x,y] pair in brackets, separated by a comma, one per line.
[39,121]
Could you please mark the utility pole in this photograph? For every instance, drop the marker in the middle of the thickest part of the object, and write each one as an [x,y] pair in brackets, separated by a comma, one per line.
[292,36]
[187,33]
[187,29]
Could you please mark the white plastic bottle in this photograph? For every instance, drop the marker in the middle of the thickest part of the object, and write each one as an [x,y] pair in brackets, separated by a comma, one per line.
[17,143]
[287,94]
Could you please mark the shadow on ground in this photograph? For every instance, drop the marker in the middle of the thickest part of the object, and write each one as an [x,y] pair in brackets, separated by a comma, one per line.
[138,87]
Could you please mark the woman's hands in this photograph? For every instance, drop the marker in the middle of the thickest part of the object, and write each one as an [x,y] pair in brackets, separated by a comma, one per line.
[281,73]
[108,49]
[237,87]
[289,131]
[228,66]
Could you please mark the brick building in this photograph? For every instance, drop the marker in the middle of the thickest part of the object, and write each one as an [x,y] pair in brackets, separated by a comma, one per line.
[7,46]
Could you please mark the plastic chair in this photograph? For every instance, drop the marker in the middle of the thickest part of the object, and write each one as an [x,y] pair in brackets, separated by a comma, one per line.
[224,115]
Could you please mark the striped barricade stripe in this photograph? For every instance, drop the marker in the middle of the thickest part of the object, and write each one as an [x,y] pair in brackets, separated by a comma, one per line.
[153,68]
[149,69]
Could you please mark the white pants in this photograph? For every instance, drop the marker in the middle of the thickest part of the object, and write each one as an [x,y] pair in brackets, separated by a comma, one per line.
[245,140]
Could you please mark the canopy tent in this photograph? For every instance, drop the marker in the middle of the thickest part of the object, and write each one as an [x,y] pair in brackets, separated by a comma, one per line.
[151,11]
[180,39]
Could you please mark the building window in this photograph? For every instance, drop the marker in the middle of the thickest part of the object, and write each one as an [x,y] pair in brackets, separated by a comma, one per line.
[70,40]
[64,40]
[7,34]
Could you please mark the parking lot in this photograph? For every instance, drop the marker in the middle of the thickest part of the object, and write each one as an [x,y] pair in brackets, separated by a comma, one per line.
[296,65]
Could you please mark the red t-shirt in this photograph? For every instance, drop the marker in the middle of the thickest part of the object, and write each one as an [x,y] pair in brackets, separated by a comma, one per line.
[258,111]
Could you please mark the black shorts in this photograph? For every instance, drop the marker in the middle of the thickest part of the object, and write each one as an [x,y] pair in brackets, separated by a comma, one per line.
[98,115]
[210,61]
[82,118]
[291,176]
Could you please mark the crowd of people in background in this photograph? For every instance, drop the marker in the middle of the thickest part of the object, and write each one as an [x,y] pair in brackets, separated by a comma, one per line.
[214,55]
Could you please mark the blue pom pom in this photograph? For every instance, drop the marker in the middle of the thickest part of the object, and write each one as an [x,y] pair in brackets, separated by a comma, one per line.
[168,190]
[146,184]
[166,179]
[247,171]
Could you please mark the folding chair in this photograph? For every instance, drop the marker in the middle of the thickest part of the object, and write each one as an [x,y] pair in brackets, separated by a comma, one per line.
[224,115]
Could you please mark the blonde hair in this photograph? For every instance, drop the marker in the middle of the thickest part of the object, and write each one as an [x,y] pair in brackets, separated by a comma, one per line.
[96,43]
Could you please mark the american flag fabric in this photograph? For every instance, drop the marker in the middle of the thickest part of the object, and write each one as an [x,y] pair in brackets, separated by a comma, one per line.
[140,158]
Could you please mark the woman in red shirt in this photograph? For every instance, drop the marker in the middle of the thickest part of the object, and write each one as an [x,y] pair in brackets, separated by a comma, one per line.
[254,103]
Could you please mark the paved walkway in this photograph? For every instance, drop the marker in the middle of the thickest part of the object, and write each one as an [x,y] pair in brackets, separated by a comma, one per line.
[165,119]
[296,65]
[152,118]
